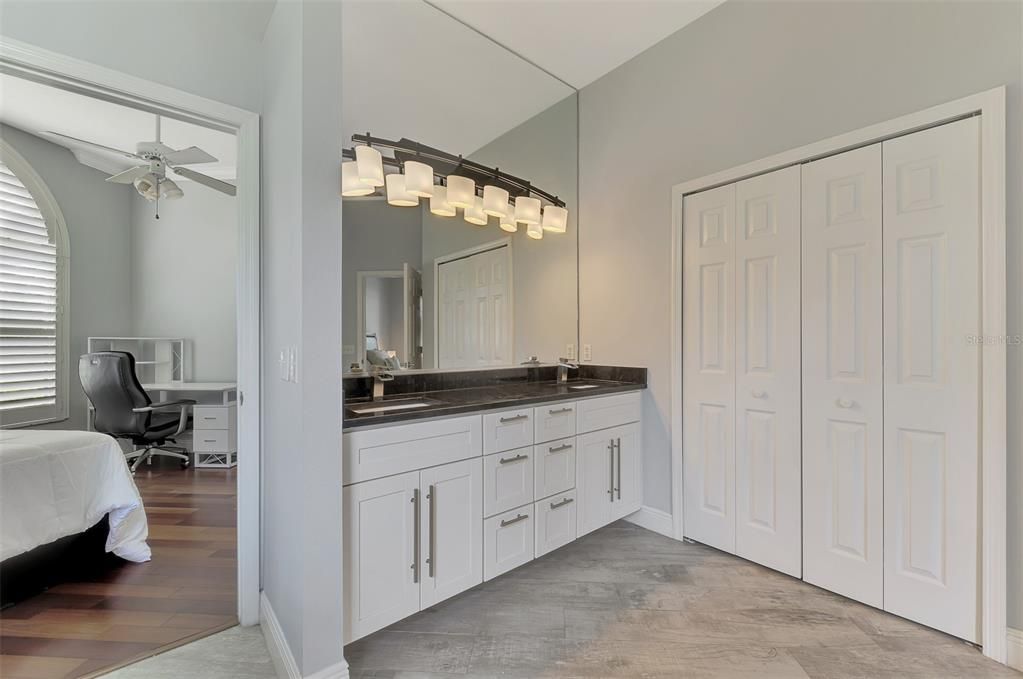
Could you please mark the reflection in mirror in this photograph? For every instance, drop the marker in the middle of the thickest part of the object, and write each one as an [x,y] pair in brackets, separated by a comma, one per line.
[427,289]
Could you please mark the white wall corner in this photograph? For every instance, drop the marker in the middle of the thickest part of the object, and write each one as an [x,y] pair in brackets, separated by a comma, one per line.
[280,652]
[1014,642]
[653,519]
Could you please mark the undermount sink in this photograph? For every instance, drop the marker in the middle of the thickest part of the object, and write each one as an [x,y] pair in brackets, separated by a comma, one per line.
[583,386]
[366,408]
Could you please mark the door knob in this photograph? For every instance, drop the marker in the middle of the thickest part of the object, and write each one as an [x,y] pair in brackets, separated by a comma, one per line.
[844,403]
[759,393]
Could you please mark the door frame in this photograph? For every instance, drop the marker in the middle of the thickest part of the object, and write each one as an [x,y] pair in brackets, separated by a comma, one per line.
[57,70]
[360,305]
[990,105]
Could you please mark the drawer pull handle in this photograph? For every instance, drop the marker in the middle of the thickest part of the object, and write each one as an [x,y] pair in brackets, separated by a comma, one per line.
[566,501]
[208,417]
[558,449]
[209,440]
[559,411]
[509,460]
[508,522]
[515,418]
[759,393]
[844,403]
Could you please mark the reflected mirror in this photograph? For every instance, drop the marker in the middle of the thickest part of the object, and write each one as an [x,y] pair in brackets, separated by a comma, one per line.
[454,287]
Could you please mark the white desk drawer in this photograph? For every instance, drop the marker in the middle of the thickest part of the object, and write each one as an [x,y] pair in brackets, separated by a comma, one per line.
[554,467]
[213,417]
[507,541]
[607,411]
[507,430]
[373,453]
[212,440]
[555,522]
[507,480]
[554,421]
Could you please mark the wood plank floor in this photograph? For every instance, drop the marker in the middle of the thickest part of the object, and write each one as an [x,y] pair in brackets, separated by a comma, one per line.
[134,610]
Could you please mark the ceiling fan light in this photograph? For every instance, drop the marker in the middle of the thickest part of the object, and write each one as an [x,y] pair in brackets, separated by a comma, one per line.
[397,194]
[169,190]
[534,231]
[495,201]
[351,185]
[461,191]
[419,178]
[439,204]
[146,185]
[527,210]
[555,219]
[508,222]
[370,164]
[475,214]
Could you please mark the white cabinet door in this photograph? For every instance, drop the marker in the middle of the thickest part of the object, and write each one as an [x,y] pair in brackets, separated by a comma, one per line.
[594,472]
[507,480]
[842,380]
[380,581]
[507,430]
[508,541]
[554,467]
[931,376]
[555,522]
[452,522]
[768,518]
[708,375]
[628,471]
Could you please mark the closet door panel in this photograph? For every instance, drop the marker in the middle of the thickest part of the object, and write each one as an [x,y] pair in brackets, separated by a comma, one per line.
[931,379]
[767,366]
[708,385]
[842,375]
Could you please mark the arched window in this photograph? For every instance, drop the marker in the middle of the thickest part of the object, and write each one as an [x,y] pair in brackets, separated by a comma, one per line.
[33,297]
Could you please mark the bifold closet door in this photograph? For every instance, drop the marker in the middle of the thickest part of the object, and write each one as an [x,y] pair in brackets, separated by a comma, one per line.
[843,485]
[767,366]
[932,376]
[708,375]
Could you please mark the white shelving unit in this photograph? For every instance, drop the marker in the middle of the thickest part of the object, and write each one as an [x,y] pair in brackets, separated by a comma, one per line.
[157,359]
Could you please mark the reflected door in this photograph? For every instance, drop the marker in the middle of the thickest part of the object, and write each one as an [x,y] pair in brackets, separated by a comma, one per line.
[474,323]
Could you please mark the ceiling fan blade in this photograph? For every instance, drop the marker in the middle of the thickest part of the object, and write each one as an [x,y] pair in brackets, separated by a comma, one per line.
[108,149]
[200,178]
[189,156]
[128,176]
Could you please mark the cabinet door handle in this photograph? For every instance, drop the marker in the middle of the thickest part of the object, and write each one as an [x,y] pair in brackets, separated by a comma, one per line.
[558,449]
[509,460]
[619,488]
[516,418]
[431,559]
[415,535]
[611,488]
[559,411]
[508,522]
[844,403]
[566,501]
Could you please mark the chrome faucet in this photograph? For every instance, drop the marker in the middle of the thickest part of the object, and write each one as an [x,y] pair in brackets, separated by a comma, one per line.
[379,378]
[564,365]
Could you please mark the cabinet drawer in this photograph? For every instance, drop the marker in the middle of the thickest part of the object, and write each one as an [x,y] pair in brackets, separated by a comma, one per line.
[555,522]
[554,421]
[554,467]
[507,430]
[607,411]
[212,440]
[213,417]
[507,541]
[507,480]
[373,453]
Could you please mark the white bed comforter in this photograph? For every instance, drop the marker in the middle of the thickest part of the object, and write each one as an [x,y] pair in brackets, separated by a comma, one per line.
[58,483]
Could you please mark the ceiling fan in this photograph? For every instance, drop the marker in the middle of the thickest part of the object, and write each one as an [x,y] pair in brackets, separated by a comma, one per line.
[150,178]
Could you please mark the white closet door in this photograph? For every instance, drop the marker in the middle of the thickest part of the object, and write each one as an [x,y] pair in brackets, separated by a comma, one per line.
[767,364]
[931,376]
[475,312]
[708,374]
[842,382]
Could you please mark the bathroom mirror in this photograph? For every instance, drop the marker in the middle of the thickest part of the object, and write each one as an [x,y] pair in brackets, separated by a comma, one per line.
[433,292]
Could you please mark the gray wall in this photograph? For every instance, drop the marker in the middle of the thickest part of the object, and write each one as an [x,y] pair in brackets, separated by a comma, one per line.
[183,276]
[96,214]
[748,80]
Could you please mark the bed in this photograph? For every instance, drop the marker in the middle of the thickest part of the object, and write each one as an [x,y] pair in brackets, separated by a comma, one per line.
[65,489]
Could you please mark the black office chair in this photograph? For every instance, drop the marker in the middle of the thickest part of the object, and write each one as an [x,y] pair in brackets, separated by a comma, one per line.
[124,410]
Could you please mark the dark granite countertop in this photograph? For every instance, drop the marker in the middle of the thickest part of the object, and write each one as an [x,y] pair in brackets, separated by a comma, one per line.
[449,402]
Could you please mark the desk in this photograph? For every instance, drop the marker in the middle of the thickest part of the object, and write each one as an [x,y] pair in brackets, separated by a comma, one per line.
[227,391]
[214,418]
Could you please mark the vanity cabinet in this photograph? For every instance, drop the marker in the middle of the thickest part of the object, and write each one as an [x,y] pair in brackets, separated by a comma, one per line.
[555,522]
[508,480]
[608,469]
[508,541]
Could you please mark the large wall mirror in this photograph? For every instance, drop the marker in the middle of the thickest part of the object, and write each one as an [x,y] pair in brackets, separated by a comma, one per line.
[439,292]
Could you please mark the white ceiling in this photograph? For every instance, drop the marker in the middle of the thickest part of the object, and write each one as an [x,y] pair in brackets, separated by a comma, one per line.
[578,40]
[38,109]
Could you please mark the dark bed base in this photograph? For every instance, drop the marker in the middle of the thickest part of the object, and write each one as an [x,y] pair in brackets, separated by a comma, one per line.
[70,558]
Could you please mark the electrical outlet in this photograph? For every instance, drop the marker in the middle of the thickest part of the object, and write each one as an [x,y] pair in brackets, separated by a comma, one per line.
[570,352]
[587,352]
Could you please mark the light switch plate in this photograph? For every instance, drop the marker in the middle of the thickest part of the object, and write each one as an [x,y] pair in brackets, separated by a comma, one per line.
[587,352]
[570,352]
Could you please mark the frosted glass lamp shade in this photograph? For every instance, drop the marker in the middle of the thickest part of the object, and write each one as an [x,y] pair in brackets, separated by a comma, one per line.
[508,222]
[534,231]
[461,191]
[351,185]
[475,214]
[439,204]
[555,219]
[419,179]
[370,164]
[495,201]
[397,194]
[527,210]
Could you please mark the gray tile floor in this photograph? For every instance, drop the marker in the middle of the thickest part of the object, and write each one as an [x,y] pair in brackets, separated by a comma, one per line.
[235,653]
[625,602]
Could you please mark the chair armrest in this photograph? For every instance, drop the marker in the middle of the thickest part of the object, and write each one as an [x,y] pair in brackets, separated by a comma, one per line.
[165,404]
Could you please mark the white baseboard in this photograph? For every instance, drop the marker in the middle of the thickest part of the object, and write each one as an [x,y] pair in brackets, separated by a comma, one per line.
[653,519]
[280,652]
[1015,646]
